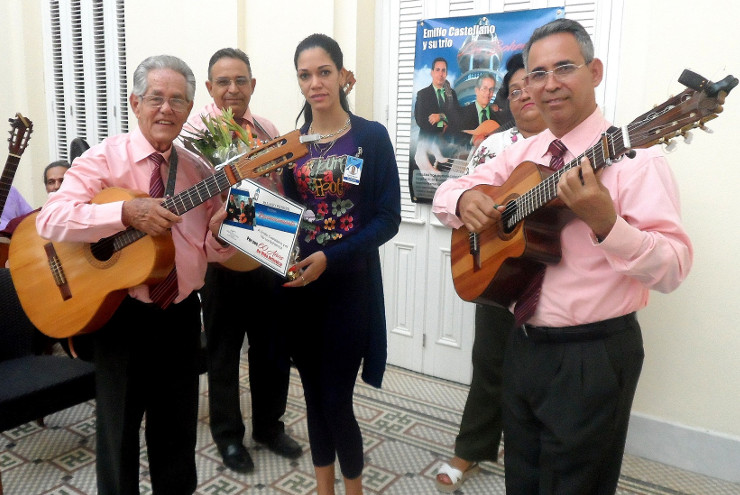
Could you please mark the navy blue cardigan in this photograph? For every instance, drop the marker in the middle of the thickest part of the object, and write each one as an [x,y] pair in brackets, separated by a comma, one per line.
[381,216]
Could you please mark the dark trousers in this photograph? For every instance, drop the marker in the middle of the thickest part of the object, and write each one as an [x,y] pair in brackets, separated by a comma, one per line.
[233,305]
[327,345]
[566,411]
[146,364]
[480,428]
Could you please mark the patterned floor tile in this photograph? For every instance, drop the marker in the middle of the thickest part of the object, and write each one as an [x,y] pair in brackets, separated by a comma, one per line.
[409,429]
[296,483]
[74,460]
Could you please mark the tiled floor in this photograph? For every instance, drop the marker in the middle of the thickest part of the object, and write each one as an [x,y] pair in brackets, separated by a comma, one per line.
[408,428]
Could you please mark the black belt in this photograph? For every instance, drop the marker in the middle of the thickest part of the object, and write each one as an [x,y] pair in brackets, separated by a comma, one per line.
[580,333]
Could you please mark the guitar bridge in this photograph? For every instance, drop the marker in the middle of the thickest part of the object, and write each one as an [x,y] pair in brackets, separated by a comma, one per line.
[57,271]
[474,242]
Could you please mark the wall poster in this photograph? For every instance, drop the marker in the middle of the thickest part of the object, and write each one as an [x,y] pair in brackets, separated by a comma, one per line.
[453,55]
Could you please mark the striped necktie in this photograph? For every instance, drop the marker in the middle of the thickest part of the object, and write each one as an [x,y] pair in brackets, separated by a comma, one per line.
[162,293]
[557,149]
[525,306]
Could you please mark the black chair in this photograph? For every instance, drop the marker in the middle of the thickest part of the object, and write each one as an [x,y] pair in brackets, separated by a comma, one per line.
[77,147]
[34,386]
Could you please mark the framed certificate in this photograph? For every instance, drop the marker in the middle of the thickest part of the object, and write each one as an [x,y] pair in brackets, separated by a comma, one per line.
[262,224]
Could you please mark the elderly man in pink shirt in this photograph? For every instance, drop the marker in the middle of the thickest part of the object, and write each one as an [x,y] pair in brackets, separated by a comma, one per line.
[572,367]
[147,354]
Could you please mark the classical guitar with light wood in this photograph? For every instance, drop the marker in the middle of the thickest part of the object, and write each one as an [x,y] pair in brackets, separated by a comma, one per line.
[20,133]
[494,266]
[70,288]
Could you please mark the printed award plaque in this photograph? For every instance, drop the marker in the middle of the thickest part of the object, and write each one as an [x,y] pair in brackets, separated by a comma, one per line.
[262,224]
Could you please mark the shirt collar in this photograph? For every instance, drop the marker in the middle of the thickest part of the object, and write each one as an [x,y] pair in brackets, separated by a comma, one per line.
[141,148]
[579,139]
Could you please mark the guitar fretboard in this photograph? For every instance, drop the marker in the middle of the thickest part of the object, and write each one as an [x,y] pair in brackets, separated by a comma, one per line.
[11,165]
[180,203]
[603,153]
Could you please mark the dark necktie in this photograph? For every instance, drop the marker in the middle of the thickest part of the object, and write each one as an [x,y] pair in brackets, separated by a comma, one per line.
[483,115]
[162,293]
[242,122]
[525,306]
[441,97]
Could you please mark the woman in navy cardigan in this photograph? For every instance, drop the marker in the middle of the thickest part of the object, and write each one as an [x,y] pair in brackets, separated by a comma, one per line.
[350,187]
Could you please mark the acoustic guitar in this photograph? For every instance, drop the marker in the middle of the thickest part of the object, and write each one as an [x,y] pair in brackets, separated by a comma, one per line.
[495,266]
[20,133]
[71,288]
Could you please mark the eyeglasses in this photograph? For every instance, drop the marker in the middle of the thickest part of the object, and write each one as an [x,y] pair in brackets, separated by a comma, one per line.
[538,78]
[177,105]
[516,94]
[225,82]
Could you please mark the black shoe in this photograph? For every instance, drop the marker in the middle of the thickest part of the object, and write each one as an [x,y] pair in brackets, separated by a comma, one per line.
[237,458]
[283,445]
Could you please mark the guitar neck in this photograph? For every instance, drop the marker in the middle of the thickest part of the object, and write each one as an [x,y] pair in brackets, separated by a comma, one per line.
[11,165]
[255,163]
[610,147]
[179,204]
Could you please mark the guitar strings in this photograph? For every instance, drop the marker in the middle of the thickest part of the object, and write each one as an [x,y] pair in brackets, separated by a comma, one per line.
[546,190]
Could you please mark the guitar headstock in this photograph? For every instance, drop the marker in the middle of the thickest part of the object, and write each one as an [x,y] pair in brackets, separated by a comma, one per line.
[698,104]
[20,133]
[270,156]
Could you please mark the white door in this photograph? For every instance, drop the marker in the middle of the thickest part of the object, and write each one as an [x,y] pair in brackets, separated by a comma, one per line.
[430,329]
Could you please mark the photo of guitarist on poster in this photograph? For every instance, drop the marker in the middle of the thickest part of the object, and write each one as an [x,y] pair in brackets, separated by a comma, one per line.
[458,68]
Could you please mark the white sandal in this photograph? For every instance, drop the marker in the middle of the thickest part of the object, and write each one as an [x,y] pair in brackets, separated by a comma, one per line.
[456,476]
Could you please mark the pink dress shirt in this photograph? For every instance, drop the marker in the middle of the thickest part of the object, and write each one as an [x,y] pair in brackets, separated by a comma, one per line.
[122,161]
[646,249]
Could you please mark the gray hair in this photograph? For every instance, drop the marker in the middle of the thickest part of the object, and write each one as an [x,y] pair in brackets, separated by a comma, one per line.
[485,75]
[561,26]
[162,62]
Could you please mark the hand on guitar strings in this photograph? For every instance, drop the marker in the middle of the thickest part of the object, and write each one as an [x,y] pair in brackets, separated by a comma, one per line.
[308,269]
[478,211]
[148,216]
[582,191]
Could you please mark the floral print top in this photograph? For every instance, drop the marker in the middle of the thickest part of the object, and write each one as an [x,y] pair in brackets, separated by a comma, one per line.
[330,201]
[492,146]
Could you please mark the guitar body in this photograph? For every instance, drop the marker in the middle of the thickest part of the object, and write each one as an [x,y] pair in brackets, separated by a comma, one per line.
[508,260]
[241,262]
[93,287]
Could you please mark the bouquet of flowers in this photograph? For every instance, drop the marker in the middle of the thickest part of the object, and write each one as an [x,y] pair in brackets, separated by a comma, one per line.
[221,139]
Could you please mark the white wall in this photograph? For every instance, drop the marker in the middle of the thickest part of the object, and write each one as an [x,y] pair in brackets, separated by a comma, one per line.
[22,90]
[692,340]
[691,376]
[182,29]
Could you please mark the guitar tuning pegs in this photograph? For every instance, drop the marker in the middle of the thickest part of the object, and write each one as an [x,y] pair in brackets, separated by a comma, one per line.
[706,129]
[670,146]
[687,137]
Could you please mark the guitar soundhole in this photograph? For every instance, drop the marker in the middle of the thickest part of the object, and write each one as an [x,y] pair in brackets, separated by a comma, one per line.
[102,250]
[508,223]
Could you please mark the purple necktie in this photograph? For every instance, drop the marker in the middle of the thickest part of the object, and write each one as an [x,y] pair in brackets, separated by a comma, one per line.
[525,306]
[162,293]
